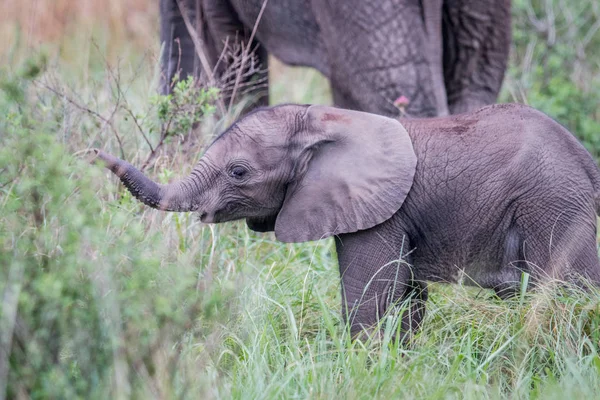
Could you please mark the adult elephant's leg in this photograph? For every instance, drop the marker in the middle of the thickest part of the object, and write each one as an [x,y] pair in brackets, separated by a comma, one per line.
[377,278]
[261,91]
[477,35]
[178,53]
[377,52]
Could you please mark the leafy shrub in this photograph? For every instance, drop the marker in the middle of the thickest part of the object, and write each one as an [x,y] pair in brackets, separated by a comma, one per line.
[89,307]
[186,106]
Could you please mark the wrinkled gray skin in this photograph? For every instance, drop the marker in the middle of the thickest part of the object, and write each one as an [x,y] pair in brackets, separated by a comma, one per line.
[445,56]
[479,197]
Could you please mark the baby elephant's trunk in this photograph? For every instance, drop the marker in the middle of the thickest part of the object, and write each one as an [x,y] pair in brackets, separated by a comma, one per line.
[180,196]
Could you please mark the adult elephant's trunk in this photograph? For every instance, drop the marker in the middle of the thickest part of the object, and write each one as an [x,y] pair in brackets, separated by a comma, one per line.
[179,196]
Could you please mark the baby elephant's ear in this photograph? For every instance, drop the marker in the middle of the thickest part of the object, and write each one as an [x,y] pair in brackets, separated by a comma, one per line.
[355,171]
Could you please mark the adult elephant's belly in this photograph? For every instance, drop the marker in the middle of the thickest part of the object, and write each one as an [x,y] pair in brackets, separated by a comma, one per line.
[288,31]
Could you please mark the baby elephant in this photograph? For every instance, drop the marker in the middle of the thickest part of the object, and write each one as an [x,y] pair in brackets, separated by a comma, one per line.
[478,197]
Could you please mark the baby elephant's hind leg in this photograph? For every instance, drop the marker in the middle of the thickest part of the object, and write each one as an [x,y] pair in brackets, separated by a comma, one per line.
[507,281]
[559,243]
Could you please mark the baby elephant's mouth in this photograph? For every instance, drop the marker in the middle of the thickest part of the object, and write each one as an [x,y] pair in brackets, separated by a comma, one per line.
[234,212]
[207,218]
[220,215]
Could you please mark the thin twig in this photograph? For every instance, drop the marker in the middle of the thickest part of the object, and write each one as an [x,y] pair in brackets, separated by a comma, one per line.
[222,55]
[81,107]
[163,135]
[537,23]
[550,24]
[10,181]
[136,122]
[587,38]
[121,94]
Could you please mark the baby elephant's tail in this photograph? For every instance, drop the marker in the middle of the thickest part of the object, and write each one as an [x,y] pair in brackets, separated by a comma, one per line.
[596,183]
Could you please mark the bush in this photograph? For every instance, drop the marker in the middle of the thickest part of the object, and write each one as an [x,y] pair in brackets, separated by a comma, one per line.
[90,307]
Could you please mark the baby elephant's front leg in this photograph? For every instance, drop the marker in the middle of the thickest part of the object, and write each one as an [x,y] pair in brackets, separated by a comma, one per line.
[377,278]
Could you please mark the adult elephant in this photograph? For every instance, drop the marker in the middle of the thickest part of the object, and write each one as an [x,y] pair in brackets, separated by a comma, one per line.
[443,56]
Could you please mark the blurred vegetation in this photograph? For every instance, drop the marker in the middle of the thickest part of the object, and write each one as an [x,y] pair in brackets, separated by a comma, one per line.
[556,63]
[85,304]
[103,298]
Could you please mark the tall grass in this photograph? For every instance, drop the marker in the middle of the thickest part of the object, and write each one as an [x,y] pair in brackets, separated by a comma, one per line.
[49,21]
[103,298]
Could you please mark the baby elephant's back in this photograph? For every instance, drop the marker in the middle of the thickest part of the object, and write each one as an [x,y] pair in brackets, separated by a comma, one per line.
[549,155]
[503,173]
[509,143]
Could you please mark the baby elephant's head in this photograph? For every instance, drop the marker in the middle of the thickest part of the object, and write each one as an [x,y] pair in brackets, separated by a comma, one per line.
[306,172]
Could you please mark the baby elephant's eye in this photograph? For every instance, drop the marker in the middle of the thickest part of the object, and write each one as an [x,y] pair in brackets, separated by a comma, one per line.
[238,172]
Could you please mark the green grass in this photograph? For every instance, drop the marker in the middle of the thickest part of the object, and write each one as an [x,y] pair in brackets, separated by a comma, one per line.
[103,298]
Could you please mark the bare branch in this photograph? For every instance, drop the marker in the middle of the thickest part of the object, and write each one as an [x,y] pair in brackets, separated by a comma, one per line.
[107,121]
[222,55]
[121,94]
[587,38]
[163,135]
[537,23]
[138,125]
[550,23]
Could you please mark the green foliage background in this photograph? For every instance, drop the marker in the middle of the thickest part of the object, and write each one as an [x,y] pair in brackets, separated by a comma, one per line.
[102,298]
[556,63]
